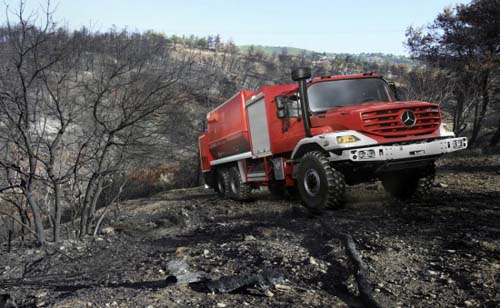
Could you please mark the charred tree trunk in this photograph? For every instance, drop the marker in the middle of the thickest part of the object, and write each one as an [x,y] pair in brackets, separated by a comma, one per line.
[457,116]
[360,267]
[37,216]
[93,204]
[9,241]
[481,112]
[495,139]
[84,212]
[57,213]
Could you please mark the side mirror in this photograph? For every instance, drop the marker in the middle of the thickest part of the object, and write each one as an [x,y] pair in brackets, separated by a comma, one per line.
[288,107]
[281,106]
[293,108]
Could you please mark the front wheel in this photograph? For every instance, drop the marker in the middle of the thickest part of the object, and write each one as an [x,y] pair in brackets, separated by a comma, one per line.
[319,184]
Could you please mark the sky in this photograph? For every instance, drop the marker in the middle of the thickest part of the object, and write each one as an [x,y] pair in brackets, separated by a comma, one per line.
[350,26]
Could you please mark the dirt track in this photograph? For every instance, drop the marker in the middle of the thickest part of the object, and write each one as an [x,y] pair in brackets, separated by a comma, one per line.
[442,254]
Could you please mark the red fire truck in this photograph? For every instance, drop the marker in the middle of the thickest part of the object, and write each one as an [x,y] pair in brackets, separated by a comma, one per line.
[321,134]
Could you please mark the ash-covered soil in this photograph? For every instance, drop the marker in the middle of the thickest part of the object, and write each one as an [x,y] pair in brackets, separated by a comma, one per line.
[442,254]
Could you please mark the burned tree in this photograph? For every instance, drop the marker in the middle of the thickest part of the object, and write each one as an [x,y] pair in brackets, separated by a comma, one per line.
[464,40]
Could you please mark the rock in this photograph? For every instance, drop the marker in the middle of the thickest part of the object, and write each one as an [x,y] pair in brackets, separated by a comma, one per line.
[265,232]
[468,303]
[181,251]
[249,238]
[108,231]
[221,305]
[41,294]
[313,261]
[440,184]
[283,287]
[206,252]
[268,293]
[182,273]
[151,224]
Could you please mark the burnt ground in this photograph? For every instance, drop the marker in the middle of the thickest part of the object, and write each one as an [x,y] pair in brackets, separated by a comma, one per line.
[442,254]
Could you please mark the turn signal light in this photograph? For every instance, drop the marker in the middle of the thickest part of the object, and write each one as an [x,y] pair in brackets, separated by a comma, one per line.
[347,139]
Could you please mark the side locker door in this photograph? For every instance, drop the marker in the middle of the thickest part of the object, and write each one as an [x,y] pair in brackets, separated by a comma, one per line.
[258,126]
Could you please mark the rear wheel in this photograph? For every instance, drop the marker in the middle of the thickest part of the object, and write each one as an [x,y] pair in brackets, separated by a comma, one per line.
[238,190]
[410,185]
[222,183]
[319,184]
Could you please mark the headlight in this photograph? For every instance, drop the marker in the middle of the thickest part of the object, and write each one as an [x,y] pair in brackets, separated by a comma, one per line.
[347,139]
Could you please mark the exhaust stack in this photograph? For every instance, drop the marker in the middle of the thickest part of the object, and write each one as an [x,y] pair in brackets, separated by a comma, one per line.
[301,74]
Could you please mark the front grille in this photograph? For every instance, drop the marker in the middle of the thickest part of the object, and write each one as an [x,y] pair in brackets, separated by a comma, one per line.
[388,122]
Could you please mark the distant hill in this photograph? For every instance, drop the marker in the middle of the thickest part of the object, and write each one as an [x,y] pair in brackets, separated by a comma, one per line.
[270,50]
[374,57]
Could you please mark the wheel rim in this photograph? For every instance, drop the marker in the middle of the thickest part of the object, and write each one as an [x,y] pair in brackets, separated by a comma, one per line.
[312,182]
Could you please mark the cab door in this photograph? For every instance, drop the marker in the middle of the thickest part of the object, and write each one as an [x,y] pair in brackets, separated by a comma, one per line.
[291,127]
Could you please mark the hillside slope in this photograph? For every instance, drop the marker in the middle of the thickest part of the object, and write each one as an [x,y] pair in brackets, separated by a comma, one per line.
[441,254]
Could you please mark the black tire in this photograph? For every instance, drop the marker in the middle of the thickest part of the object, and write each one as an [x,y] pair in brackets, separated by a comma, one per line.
[410,186]
[319,184]
[222,182]
[237,189]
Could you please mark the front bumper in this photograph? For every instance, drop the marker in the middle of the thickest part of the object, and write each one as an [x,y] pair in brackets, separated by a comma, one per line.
[408,151]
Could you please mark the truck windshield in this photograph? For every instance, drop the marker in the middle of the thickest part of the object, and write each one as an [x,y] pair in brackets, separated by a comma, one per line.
[328,94]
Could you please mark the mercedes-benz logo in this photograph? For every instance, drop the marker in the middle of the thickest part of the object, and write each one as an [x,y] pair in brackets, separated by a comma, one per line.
[408,118]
